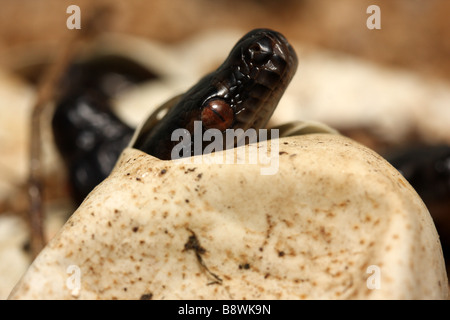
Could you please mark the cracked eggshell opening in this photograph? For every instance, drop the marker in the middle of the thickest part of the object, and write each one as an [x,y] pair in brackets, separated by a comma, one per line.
[335,221]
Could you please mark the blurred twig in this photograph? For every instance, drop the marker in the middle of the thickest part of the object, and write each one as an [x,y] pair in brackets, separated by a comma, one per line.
[47,90]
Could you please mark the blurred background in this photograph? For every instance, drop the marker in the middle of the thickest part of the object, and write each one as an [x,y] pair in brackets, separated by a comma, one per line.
[414,33]
[388,89]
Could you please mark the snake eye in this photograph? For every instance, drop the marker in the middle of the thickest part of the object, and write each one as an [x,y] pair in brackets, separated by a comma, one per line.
[217,114]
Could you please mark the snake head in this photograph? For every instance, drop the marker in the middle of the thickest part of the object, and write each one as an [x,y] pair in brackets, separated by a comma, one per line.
[255,75]
[241,94]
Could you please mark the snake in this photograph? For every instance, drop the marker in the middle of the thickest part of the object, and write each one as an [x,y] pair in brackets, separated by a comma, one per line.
[87,133]
[242,93]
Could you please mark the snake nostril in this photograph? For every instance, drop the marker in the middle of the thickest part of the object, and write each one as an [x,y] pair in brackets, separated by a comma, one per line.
[255,48]
[260,51]
[259,57]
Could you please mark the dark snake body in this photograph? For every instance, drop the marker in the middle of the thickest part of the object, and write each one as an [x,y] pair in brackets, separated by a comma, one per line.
[246,89]
[427,169]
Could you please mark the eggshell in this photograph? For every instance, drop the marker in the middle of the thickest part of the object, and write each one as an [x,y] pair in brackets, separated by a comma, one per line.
[331,219]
